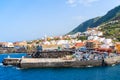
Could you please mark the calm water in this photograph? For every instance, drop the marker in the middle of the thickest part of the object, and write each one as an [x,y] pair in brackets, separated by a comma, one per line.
[96,73]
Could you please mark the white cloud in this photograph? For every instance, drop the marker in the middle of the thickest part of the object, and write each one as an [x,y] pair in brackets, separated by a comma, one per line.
[74,3]
[71,1]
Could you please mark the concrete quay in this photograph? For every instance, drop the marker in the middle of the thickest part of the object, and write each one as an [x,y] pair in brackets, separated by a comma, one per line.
[51,63]
[112,60]
[58,62]
[11,61]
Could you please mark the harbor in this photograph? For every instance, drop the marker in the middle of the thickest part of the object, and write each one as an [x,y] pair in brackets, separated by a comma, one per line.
[66,51]
[54,63]
[77,59]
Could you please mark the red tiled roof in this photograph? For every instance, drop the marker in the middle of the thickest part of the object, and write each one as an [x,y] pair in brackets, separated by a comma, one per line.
[105,49]
[80,44]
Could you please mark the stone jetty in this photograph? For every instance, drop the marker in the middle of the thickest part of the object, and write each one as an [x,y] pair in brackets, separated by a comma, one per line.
[112,60]
[58,62]
[43,63]
[11,61]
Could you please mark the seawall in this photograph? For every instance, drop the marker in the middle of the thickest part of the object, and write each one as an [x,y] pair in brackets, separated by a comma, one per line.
[11,61]
[58,62]
[43,63]
[112,60]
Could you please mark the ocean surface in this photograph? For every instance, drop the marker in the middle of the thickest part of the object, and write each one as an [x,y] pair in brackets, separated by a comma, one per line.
[91,73]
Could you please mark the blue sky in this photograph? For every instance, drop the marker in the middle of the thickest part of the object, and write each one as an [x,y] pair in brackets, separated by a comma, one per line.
[32,19]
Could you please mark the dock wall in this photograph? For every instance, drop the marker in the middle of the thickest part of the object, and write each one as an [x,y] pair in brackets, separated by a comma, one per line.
[11,61]
[58,62]
[112,60]
[42,63]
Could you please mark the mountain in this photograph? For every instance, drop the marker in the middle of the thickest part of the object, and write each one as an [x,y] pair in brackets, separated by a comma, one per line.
[113,14]
[82,27]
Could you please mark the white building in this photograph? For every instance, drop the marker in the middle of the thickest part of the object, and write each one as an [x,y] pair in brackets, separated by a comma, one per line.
[61,42]
[107,41]
[46,43]
[8,44]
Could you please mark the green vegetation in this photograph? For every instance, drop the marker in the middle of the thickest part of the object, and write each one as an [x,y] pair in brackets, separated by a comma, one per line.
[111,30]
[82,38]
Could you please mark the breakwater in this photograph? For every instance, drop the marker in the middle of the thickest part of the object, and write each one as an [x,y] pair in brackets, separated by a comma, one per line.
[58,62]
[12,61]
[43,63]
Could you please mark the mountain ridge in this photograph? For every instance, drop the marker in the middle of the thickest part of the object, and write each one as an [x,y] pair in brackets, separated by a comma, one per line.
[113,14]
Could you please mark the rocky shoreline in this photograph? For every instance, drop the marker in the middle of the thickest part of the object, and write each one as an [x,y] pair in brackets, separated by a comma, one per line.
[12,50]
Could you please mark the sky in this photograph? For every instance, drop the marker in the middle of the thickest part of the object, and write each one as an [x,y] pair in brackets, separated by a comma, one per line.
[32,19]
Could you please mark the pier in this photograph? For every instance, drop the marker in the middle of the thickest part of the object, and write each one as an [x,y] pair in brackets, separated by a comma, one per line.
[58,62]
[49,62]
[11,61]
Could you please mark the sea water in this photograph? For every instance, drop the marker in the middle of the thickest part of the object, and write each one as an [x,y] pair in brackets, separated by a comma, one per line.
[90,73]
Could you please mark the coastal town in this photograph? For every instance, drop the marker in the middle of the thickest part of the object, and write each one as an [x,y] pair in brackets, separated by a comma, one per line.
[89,48]
[59,39]
[93,38]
